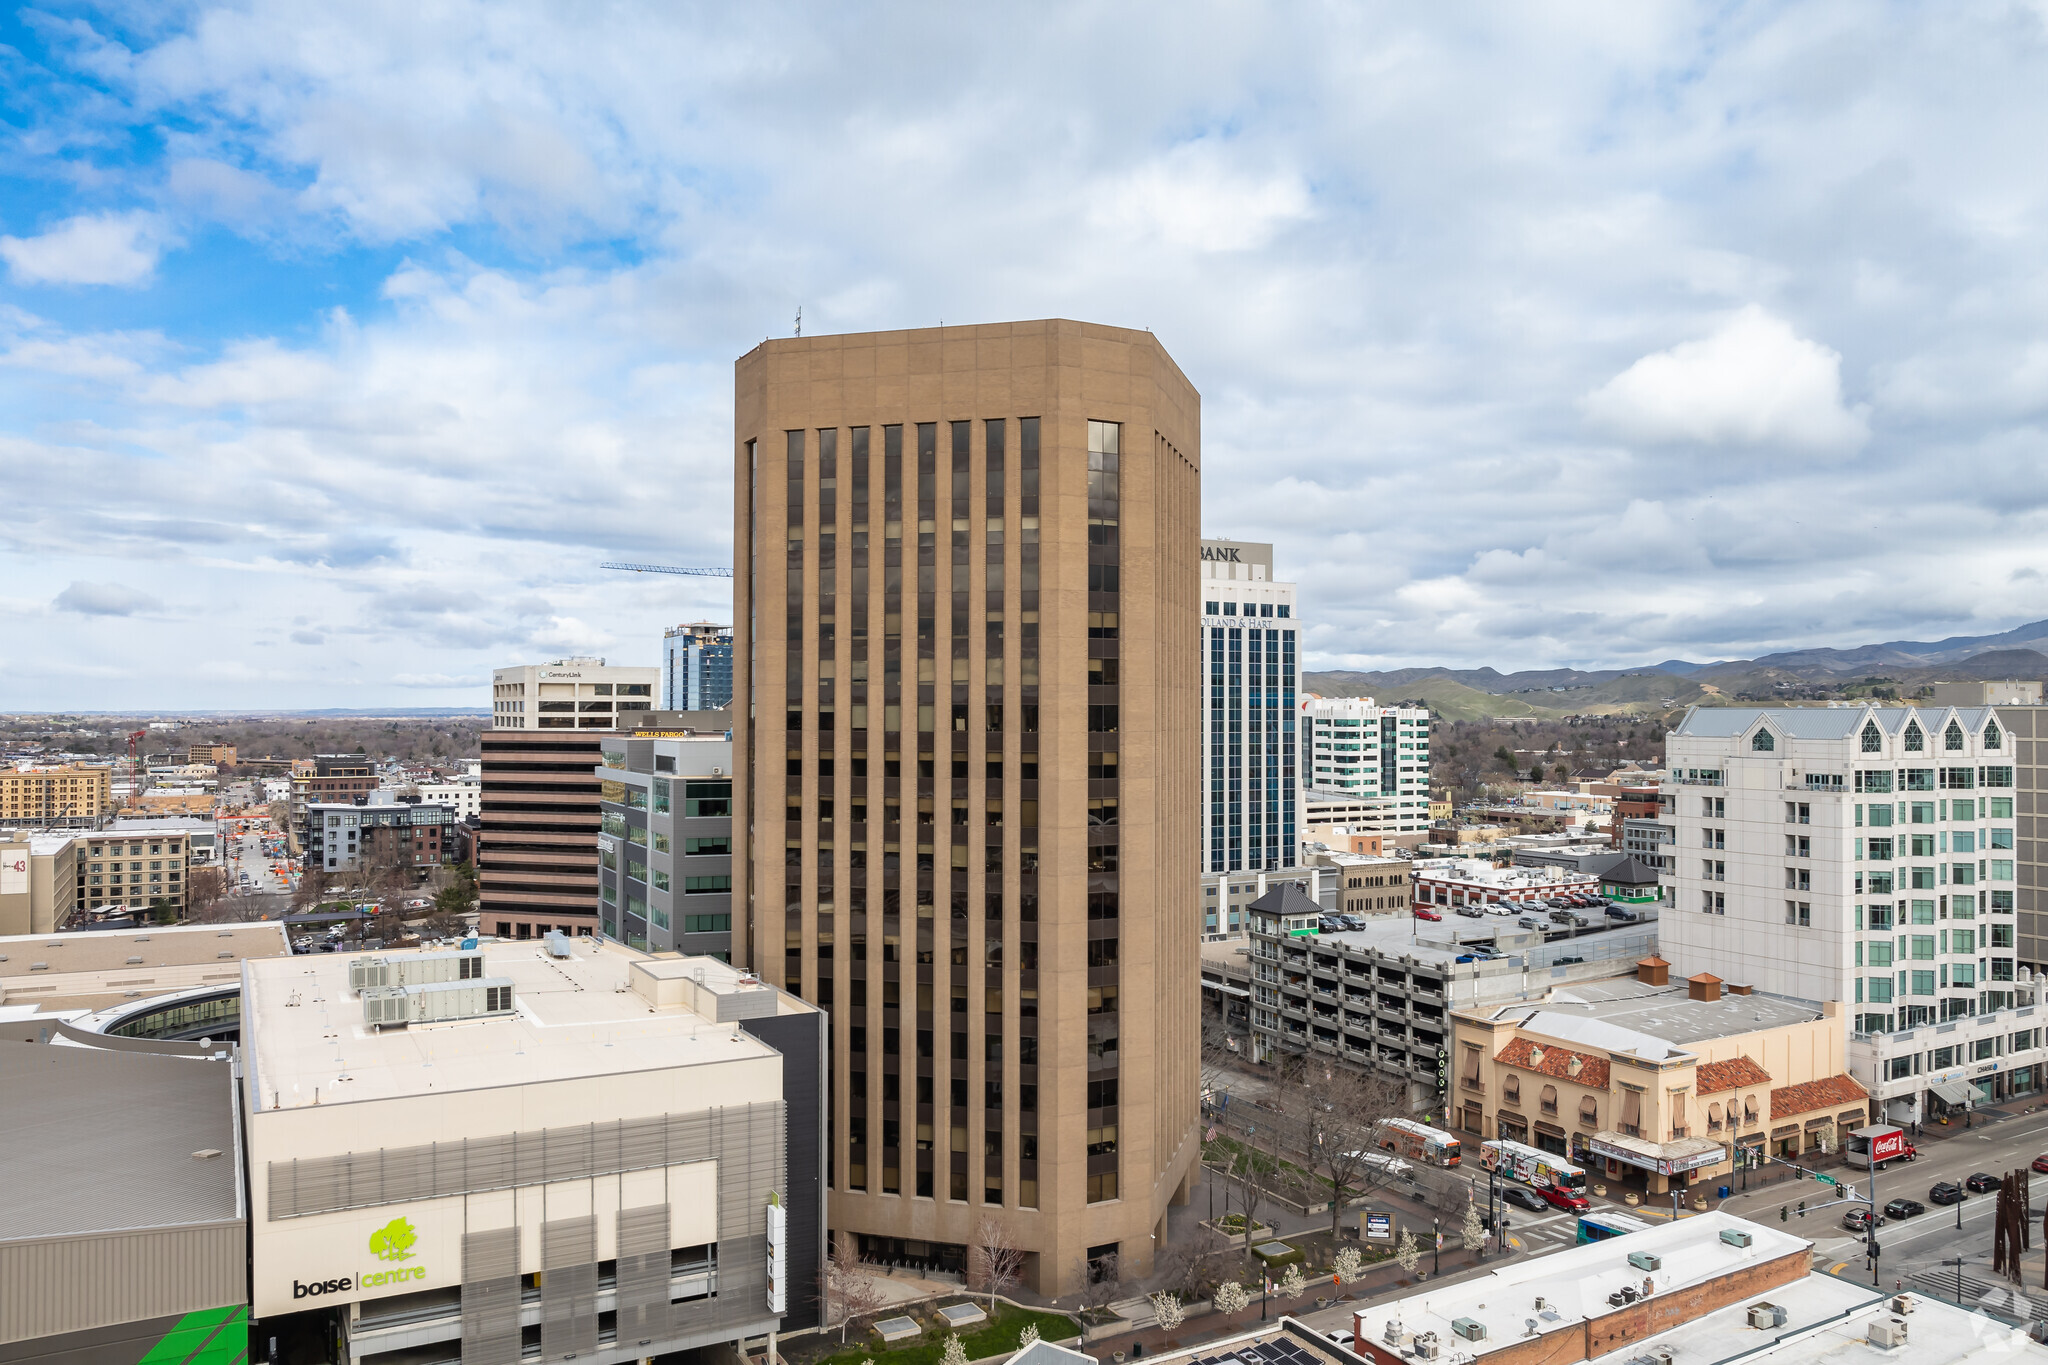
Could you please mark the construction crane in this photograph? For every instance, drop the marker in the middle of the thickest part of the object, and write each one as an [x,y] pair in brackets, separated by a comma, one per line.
[134,780]
[667,568]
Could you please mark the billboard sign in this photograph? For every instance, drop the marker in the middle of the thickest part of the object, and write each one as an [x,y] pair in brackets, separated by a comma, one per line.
[1379,1227]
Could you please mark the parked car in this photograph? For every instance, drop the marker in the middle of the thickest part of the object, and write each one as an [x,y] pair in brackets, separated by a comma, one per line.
[1904,1208]
[1532,922]
[1564,1199]
[1525,1197]
[1505,909]
[1344,1339]
[1471,912]
[1622,913]
[1353,921]
[1980,1183]
[1858,1220]
[1426,912]
[1561,917]
[1947,1192]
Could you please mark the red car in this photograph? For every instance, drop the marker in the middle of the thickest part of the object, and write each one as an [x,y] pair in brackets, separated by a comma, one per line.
[1563,1199]
[2040,1163]
[1424,912]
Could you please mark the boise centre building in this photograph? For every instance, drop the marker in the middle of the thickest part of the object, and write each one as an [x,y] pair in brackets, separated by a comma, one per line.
[563,1144]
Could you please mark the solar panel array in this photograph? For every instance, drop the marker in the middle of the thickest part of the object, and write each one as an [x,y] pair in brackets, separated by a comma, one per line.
[1276,1352]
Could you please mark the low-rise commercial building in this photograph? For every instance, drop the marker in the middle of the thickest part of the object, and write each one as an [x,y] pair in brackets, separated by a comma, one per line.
[1453,883]
[1706,1290]
[1653,1083]
[463,795]
[1227,897]
[573,1148]
[219,755]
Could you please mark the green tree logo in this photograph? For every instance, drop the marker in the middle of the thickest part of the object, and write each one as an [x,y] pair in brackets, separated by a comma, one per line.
[394,1241]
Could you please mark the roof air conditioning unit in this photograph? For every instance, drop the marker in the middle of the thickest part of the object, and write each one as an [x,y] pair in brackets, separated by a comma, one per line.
[1902,1303]
[1645,1260]
[1471,1329]
[1888,1333]
[1428,1347]
[1763,1315]
[1735,1237]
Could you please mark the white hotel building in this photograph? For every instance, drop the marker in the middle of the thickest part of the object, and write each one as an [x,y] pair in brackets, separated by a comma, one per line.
[1865,855]
[1250,672]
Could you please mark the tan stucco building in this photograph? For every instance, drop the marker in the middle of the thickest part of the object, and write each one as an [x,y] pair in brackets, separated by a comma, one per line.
[1647,1082]
[963,711]
[75,793]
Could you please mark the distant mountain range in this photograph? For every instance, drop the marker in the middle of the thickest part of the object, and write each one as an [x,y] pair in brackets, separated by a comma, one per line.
[1902,665]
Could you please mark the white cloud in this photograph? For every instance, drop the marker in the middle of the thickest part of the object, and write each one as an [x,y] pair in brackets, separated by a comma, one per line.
[105,599]
[93,248]
[1753,381]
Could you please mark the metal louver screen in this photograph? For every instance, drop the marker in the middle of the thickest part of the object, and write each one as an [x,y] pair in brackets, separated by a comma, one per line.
[643,1275]
[395,1175]
[568,1291]
[490,1297]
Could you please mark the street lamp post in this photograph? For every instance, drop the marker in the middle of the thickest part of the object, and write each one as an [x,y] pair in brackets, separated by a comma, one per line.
[1436,1258]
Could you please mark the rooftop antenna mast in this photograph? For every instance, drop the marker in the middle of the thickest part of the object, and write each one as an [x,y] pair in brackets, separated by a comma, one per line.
[799,319]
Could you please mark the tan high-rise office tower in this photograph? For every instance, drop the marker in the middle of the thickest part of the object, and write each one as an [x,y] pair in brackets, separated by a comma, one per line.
[965,700]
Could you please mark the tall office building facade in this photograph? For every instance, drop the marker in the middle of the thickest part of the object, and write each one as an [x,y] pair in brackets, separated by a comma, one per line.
[1249,663]
[962,709]
[696,667]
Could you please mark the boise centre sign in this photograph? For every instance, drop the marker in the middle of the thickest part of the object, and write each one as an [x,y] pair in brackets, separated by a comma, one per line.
[392,1243]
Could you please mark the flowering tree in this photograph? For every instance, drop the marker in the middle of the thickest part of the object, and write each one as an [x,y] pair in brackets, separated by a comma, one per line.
[1407,1252]
[1350,1264]
[1024,1338]
[1167,1308]
[1231,1296]
[956,1350]
[1473,1234]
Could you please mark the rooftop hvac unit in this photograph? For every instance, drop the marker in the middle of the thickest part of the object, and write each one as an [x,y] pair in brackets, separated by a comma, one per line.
[438,1000]
[1888,1332]
[1902,1304]
[1428,1347]
[1645,1260]
[414,969]
[1766,1315]
[557,943]
[1471,1329]
[1735,1237]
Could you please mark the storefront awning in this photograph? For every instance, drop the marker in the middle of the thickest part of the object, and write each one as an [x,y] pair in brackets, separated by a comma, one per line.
[1954,1093]
[1664,1158]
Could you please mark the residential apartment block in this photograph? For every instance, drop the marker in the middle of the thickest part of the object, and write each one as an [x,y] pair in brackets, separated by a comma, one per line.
[1865,855]
[75,795]
[463,795]
[569,694]
[696,667]
[142,865]
[964,707]
[1249,677]
[350,838]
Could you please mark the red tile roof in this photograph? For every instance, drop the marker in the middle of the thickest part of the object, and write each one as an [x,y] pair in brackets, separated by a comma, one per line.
[1714,1077]
[1832,1093]
[1556,1062]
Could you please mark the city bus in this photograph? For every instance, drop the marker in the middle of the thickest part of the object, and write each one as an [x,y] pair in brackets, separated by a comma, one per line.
[1530,1166]
[1598,1227]
[1418,1142]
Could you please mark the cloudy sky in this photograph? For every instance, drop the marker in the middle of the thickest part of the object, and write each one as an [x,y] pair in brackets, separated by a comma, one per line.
[338,344]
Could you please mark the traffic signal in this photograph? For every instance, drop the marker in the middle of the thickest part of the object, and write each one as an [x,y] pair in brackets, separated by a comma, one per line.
[1783,1215]
[1802,1208]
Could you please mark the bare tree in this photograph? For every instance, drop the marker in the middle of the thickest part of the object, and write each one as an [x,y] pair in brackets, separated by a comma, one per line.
[1340,1112]
[997,1262]
[1101,1280]
[1193,1266]
[851,1289]
[1255,1175]
[205,890]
